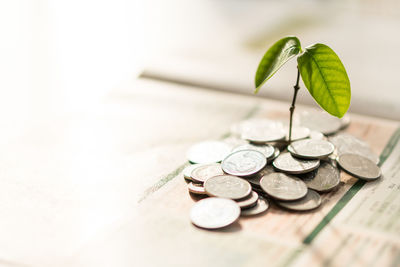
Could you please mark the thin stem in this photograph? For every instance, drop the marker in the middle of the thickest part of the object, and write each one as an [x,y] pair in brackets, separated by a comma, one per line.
[296,89]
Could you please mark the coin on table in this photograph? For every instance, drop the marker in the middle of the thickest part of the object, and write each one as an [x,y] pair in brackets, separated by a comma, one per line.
[208,152]
[345,121]
[323,179]
[261,192]
[254,124]
[298,133]
[276,154]
[234,141]
[202,173]
[227,186]
[247,125]
[255,179]
[317,135]
[214,213]
[267,150]
[359,166]
[311,149]
[286,163]
[261,206]
[248,201]
[262,136]
[244,163]
[283,187]
[321,122]
[264,131]
[346,143]
[312,200]
[187,172]
[196,189]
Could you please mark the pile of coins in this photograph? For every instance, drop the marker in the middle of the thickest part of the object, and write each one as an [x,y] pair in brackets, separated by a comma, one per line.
[242,175]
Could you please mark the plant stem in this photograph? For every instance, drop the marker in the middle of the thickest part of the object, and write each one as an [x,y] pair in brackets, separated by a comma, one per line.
[296,89]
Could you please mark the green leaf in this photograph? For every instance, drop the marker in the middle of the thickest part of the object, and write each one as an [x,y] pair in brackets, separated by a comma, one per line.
[325,78]
[275,57]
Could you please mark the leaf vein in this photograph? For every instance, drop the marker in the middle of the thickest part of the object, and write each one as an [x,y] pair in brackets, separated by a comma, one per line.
[323,77]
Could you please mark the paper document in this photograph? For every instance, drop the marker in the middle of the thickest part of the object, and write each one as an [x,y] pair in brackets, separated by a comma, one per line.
[355,225]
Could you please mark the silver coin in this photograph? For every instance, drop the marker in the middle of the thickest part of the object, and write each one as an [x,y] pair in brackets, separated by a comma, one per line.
[311,149]
[245,125]
[202,173]
[267,150]
[253,124]
[255,179]
[261,206]
[286,163]
[208,152]
[248,201]
[321,122]
[345,121]
[298,133]
[283,187]
[264,136]
[276,154]
[311,201]
[187,172]
[359,166]
[280,145]
[346,143]
[214,213]
[244,163]
[263,131]
[323,179]
[261,193]
[234,141]
[317,135]
[236,129]
[227,186]
[196,189]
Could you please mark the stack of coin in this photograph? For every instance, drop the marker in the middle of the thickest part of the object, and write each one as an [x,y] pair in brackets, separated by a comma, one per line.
[242,175]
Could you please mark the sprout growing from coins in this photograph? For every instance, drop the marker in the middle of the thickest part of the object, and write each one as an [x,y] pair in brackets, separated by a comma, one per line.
[320,68]
[251,175]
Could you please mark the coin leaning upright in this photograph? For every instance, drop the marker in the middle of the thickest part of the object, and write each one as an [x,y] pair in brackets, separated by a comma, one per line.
[287,163]
[214,213]
[359,166]
[283,187]
[227,186]
[244,163]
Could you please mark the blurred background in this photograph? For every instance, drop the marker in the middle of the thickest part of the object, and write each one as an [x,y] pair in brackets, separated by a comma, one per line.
[74,159]
[65,55]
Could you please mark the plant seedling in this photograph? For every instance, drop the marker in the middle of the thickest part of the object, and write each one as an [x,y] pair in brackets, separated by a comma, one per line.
[320,68]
